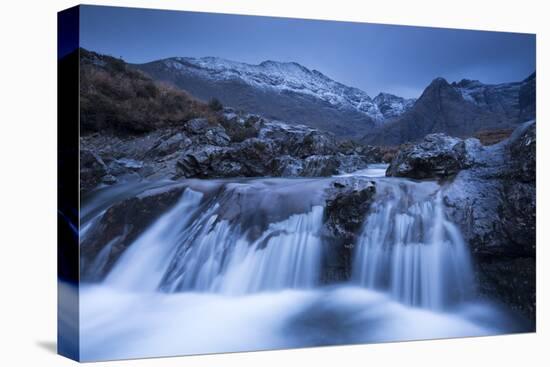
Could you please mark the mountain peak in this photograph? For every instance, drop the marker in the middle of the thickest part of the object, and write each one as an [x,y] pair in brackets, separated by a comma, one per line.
[391,105]
[467,83]
[439,81]
[533,76]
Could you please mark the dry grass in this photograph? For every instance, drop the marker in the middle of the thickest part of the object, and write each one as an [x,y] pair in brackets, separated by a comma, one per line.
[115,97]
[490,137]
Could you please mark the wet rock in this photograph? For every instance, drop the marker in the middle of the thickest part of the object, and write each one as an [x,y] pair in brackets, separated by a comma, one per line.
[320,166]
[109,180]
[348,202]
[237,145]
[351,163]
[315,143]
[197,126]
[286,166]
[119,227]
[171,144]
[438,156]
[240,127]
[255,156]
[198,162]
[92,170]
[217,136]
[510,280]
[523,153]
[494,203]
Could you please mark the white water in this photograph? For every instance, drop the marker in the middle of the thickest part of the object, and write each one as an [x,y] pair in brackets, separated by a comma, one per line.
[410,249]
[117,324]
[200,280]
[143,265]
[219,258]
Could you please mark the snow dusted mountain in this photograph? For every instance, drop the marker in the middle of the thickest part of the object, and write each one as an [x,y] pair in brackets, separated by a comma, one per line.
[290,92]
[391,106]
[280,90]
[497,98]
[460,109]
[281,77]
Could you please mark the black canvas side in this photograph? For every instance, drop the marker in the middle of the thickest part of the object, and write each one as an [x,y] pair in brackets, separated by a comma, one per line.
[68,183]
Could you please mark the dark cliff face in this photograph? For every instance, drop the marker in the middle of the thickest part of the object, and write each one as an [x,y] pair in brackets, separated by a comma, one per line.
[460,109]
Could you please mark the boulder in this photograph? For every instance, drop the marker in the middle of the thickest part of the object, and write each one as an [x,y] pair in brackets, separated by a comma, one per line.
[197,162]
[286,166]
[197,126]
[217,136]
[240,127]
[170,144]
[320,166]
[523,153]
[315,143]
[347,203]
[438,156]
[351,163]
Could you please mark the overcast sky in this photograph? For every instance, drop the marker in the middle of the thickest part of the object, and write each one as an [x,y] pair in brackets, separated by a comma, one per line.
[373,57]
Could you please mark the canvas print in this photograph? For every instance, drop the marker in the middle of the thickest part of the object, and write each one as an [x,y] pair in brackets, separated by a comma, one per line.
[233,183]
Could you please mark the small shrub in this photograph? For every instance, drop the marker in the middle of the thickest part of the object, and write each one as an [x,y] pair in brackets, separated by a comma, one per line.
[215,105]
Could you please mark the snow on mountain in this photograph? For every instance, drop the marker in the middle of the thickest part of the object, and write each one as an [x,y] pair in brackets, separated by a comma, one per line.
[492,96]
[291,77]
[391,106]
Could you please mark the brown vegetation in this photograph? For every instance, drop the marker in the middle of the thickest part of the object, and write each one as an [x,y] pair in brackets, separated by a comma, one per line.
[490,137]
[115,97]
[388,152]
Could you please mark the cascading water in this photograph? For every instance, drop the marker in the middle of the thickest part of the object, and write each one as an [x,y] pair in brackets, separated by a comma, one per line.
[144,264]
[191,249]
[410,249]
[247,253]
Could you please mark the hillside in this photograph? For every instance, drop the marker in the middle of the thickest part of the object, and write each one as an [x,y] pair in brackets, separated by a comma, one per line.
[118,98]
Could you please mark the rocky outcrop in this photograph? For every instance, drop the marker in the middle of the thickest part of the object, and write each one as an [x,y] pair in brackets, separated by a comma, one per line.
[347,203]
[236,145]
[494,203]
[119,226]
[92,170]
[490,192]
[528,98]
[438,156]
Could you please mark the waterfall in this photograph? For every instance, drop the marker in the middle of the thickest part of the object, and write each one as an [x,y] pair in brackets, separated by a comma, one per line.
[191,248]
[236,265]
[144,263]
[409,249]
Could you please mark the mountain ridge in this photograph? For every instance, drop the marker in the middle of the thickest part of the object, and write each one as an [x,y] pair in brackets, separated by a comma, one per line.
[461,109]
[287,91]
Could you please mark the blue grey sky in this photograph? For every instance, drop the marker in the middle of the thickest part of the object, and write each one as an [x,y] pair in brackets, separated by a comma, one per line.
[373,57]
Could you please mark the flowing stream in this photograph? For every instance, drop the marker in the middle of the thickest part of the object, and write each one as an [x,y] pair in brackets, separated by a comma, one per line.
[241,271]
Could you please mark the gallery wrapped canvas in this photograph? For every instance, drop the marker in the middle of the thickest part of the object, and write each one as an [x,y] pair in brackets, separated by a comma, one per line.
[234,183]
